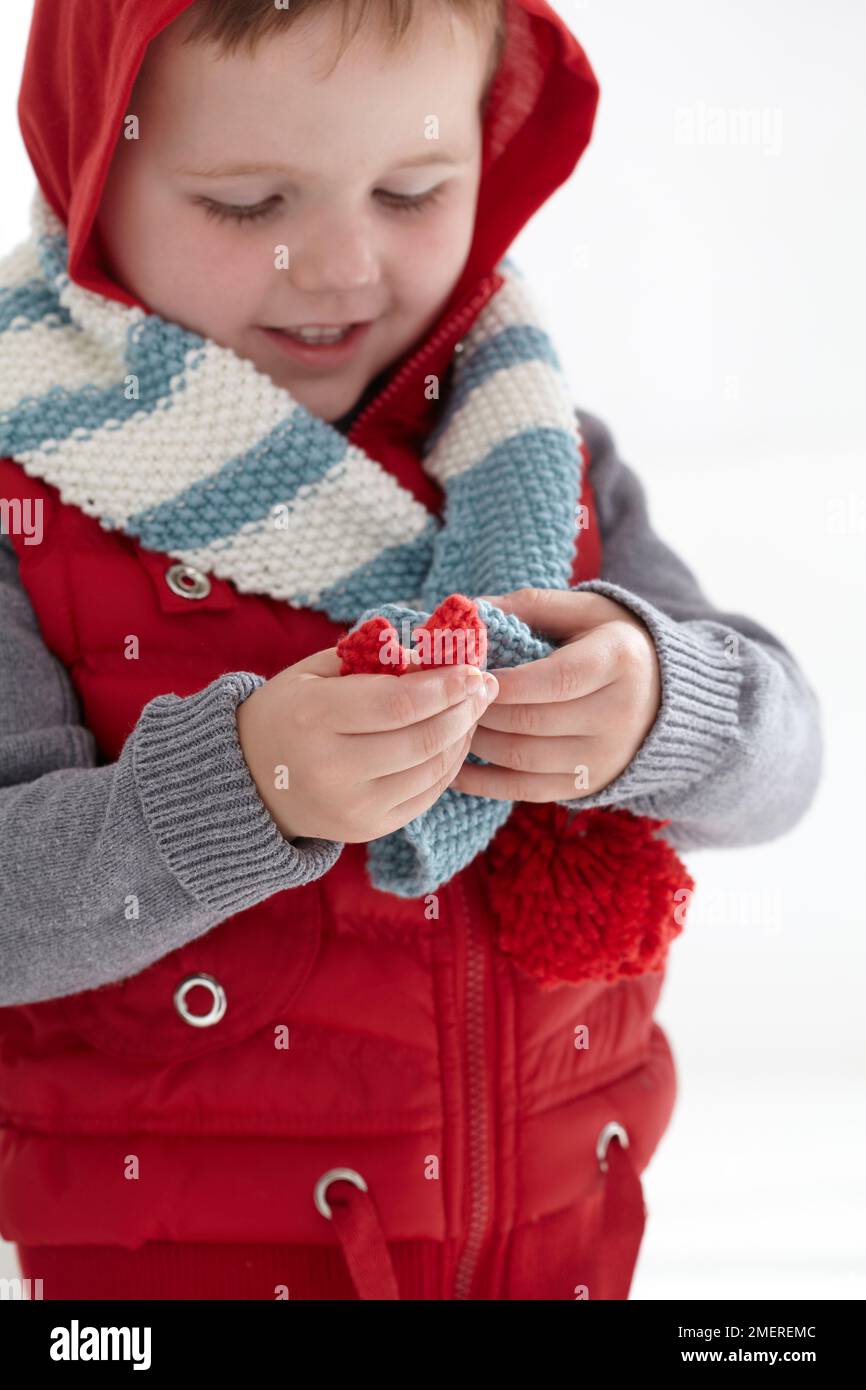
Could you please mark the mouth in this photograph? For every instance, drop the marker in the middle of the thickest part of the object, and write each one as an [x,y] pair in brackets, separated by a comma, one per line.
[318,332]
[322,344]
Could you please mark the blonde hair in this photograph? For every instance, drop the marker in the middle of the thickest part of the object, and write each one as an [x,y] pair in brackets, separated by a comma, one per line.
[234,24]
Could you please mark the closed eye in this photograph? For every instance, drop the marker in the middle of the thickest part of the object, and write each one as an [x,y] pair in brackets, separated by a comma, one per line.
[405,202]
[230,212]
[257,212]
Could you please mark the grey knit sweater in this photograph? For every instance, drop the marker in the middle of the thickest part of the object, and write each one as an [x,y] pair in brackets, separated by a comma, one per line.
[732,759]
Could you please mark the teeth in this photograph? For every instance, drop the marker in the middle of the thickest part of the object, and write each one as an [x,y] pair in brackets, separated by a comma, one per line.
[319,335]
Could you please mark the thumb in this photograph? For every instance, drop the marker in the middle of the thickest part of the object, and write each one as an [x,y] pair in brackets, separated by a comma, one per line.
[321,663]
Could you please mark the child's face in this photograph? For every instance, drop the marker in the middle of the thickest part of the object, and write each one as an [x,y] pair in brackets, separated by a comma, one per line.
[353,253]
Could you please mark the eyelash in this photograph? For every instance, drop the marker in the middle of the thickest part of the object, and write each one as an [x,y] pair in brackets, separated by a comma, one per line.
[227,212]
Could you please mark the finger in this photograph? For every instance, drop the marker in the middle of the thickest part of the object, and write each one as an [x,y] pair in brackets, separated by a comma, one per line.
[558,613]
[526,754]
[400,749]
[365,704]
[569,673]
[417,789]
[588,717]
[501,784]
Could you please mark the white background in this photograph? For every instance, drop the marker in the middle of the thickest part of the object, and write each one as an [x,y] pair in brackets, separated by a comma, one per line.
[708,300]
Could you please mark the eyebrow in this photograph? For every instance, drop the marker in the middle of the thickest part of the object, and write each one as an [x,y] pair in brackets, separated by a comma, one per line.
[230,171]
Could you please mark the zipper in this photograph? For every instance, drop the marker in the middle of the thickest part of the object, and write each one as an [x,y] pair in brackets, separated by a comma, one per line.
[457,323]
[476,1106]
[476,1098]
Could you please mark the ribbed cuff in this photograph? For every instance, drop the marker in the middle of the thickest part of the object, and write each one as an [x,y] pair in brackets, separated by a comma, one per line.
[203,807]
[697,723]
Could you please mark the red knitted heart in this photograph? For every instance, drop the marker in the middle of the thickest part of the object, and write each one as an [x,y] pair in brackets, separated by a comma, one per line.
[453,635]
[599,898]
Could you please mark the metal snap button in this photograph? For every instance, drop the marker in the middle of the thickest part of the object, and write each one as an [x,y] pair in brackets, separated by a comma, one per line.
[187,582]
[611,1131]
[334,1175]
[218,997]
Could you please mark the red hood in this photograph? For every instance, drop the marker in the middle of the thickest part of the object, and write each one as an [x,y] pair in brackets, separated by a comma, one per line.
[83,57]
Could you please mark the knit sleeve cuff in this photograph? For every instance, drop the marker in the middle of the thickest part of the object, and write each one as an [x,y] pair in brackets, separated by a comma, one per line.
[698,719]
[203,807]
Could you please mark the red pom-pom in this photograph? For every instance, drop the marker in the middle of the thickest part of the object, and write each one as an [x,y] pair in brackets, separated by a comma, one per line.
[454,635]
[600,898]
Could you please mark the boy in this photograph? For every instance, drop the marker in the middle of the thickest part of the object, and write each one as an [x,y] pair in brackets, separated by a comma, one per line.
[206,984]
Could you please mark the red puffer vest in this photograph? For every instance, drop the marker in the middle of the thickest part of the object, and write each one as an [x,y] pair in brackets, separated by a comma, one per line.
[436,1126]
[420,1064]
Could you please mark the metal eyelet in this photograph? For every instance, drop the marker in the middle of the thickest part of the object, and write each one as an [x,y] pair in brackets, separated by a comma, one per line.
[611,1130]
[323,1206]
[187,582]
[217,993]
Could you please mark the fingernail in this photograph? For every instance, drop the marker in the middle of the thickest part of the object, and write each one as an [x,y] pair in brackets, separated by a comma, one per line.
[475,684]
[491,685]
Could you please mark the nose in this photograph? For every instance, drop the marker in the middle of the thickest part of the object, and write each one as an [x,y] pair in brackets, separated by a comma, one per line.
[333,254]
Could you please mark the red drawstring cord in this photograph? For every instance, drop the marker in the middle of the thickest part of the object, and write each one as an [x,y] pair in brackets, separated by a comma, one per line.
[620,1233]
[360,1233]
[622,1225]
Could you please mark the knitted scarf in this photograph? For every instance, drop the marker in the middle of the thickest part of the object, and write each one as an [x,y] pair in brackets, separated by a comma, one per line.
[177,441]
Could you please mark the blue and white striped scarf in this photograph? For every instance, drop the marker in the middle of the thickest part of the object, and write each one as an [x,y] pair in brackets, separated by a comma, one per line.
[179,442]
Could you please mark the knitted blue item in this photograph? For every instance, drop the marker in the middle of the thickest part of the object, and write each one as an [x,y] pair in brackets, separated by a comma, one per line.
[178,442]
[434,846]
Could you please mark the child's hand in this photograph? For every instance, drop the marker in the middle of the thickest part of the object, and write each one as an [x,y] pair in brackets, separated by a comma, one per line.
[351,758]
[569,724]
